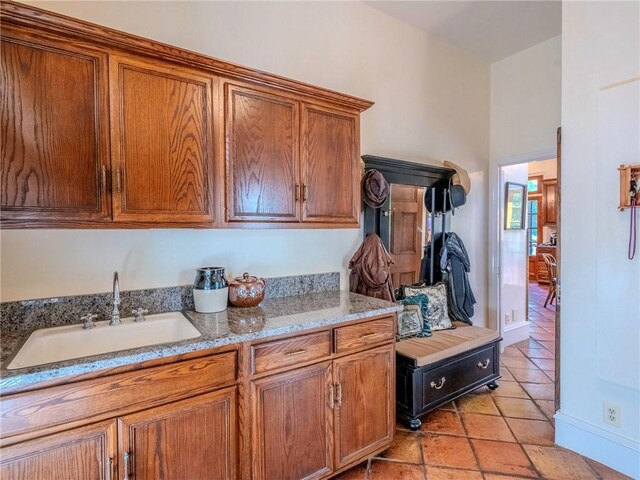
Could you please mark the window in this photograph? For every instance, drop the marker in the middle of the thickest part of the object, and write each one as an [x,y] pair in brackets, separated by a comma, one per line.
[533,206]
[534,185]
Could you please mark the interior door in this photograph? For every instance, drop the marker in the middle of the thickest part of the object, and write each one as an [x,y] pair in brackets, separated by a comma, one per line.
[55,129]
[162,137]
[262,156]
[330,165]
[78,454]
[189,439]
[365,402]
[407,233]
[293,424]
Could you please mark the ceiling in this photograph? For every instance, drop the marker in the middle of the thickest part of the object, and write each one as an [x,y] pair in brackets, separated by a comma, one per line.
[491,30]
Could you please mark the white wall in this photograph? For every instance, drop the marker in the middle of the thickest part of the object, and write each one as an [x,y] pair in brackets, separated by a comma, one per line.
[600,287]
[432,104]
[513,271]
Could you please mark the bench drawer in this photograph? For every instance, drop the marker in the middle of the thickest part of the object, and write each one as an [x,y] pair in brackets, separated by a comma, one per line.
[362,335]
[451,378]
[291,351]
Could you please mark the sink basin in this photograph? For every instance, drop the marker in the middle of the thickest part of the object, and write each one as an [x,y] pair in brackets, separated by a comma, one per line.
[55,344]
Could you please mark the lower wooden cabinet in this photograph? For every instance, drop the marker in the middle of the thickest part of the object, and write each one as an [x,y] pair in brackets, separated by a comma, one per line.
[193,438]
[293,424]
[85,453]
[364,403]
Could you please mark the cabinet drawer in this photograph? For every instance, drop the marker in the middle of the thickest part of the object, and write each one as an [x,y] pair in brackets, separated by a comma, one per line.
[291,351]
[361,335]
[102,398]
[450,378]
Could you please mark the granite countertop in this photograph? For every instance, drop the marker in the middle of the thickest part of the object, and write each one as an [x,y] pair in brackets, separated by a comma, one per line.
[275,316]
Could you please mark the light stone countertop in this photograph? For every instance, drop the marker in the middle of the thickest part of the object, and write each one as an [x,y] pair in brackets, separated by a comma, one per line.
[275,316]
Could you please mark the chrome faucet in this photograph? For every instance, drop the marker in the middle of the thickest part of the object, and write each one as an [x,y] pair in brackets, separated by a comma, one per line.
[115,313]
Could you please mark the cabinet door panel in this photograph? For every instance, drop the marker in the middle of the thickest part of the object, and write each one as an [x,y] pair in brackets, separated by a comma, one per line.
[194,438]
[365,403]
[262,156]
[53,117]
[330,166]
[293,424]
[81,454]
[162,142]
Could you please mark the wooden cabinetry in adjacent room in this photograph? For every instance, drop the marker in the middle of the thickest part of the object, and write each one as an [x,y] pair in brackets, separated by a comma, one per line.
[550,202]
[162,137]
[542,270]
[54,128]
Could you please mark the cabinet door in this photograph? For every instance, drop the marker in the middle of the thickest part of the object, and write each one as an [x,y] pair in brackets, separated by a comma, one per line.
[365,403]
[262,156]
[84,453]
[330,165]
[162,140]
[189,439]
[549,201]
[292,424]
[54,127]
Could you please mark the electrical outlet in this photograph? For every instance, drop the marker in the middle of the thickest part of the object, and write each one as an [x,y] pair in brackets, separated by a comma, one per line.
[507,319]
[611,414]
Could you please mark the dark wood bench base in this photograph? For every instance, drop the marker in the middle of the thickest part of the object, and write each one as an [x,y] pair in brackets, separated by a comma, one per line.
[419,390]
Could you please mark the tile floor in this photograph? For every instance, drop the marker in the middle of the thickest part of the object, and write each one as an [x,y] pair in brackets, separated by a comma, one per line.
[493,435]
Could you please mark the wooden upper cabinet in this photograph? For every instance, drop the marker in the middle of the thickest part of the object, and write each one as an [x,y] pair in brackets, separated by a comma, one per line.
[292,424]
[54,128]
[365,403]
[262,156]
[78,454]
[550,201]
[330,165]
[193,438]
[162,141]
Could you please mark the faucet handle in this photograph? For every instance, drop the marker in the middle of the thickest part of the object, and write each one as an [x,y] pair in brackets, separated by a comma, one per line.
[139,314]
[88,321]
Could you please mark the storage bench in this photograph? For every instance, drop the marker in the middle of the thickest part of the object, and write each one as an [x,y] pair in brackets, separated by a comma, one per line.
[434,370]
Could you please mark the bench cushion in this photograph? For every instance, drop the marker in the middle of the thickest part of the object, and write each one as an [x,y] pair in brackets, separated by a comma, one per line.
[444,344]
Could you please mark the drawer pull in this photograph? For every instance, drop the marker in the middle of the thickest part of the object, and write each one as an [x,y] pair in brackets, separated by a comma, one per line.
[295,352]
[366,336]
[339,395]
[125,457]
[331,403]
[485,364]
[438,385]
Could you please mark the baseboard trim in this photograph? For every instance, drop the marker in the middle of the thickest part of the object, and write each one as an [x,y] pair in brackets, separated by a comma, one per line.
[514,334]
[618,452]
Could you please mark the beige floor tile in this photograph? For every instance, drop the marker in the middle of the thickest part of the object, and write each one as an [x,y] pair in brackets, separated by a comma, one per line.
[406,447]
[544,363]
[540,391]
[551,374]
[487,427]
[509,389]
[506,375]
[358,472]
[386,470]
[519,408]
[533,432]
[529,376]
[502,457]
[555,463]
[442,421]
[447,451]
[495,476]
[511,352]
[537,353]
[439,473]
[477,404]
[548,407]
[517,362]
[605,472]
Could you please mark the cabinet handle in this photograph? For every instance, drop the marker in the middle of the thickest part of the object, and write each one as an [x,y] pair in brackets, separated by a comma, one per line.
[125,458]
[118,180]
[297,193]
[366,336]
[438,385]
[295,352]
[485,364]
[339,395]
[109,468]
[304,192]
[103,179]
[331,403]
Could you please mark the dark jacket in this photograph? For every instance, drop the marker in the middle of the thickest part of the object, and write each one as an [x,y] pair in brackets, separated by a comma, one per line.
[455,266]
[370,272]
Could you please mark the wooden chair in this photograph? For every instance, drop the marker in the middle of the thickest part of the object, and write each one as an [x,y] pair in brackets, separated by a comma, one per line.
[552,268]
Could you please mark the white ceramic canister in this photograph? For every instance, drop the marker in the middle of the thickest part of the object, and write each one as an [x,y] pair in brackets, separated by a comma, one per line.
[210,290]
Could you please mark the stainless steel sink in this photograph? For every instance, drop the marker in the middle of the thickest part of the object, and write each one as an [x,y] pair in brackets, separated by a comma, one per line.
[56,344]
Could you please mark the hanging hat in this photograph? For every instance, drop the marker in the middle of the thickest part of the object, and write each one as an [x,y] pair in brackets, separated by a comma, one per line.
[375,189]
[461,177]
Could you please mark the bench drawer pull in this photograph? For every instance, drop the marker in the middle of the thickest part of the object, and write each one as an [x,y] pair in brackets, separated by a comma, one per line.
[438,385]
[485,364]
[295,352]
[366,336]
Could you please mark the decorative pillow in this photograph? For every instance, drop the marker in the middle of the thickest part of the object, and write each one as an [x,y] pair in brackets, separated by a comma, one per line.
[409,322]
[437,315]
[422,301]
